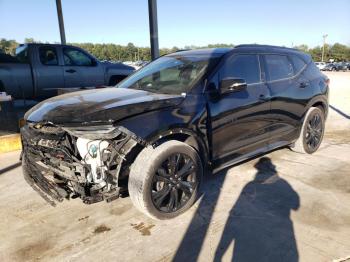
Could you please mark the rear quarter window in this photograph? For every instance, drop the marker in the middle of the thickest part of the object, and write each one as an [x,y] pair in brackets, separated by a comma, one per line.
[312,71]
[279,67]
[298,63]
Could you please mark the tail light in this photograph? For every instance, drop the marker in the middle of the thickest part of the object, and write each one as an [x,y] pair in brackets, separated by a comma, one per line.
[328,81]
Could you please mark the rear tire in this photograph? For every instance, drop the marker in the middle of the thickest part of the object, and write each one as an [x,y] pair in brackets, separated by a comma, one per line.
[164,181]
[311,133]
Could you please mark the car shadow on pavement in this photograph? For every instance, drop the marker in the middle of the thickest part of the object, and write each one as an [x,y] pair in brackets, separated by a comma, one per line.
[339,112]
[259,222]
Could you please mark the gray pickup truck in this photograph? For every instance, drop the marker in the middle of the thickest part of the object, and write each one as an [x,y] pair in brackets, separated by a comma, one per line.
[41,70]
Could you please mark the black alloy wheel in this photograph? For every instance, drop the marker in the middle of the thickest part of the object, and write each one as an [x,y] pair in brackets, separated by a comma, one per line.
[174,183]
[314,132]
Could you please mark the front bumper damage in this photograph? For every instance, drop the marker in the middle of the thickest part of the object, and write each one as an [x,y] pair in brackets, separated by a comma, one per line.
[87,162]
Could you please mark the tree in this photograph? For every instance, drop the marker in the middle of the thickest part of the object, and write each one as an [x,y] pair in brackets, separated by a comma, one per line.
[114,52]
[29,40]
[303,48]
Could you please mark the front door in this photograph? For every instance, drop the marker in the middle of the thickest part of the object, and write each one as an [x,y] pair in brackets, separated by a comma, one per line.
[240,119]
[81,70]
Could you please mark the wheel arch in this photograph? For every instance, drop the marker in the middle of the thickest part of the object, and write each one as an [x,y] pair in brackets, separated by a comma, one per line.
[183,135]
[323,105]
[320,102]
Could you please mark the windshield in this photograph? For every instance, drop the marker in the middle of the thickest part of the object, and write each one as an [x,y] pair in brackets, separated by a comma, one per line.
[169,74]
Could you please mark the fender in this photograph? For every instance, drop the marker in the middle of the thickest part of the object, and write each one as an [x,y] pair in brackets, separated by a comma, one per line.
[319,100]
[185,135]
[189,125]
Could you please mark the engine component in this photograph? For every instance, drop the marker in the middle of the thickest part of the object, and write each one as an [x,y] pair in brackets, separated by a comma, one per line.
[91,153]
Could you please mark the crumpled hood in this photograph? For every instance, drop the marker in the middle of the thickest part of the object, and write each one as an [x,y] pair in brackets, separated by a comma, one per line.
[99,105]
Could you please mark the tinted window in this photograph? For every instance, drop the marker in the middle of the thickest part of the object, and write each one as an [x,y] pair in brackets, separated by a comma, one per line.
[74,57]
[278,66]
[242,66]
[298,63]
[48,55]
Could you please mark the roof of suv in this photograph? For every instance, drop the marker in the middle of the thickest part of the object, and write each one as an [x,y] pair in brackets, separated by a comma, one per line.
[247,47]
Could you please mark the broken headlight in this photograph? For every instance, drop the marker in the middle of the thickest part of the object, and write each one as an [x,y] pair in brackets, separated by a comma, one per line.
[93,132]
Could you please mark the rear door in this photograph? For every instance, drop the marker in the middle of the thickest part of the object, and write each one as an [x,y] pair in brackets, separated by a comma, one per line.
[288,89]
[80,69]
[48,73]
[240,120]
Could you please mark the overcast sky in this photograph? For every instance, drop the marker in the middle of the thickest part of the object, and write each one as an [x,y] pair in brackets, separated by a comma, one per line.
[181,22]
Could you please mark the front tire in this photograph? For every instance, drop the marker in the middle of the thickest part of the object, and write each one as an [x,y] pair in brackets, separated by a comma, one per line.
[164,181]
[312,132]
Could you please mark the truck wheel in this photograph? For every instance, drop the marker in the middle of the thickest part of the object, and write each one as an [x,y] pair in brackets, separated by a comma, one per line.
[164,181]
[312,132]
[115,80]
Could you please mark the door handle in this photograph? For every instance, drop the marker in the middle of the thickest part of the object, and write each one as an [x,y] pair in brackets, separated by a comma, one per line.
[303,84]
[70,71]
[263,98]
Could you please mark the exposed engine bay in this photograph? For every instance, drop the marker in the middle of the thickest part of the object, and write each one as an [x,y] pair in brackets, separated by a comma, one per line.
[90,162]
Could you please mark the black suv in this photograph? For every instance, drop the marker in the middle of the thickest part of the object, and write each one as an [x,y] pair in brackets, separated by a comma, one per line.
[156,133]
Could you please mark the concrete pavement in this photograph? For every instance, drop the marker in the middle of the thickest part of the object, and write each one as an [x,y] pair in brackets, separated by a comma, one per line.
[283,207]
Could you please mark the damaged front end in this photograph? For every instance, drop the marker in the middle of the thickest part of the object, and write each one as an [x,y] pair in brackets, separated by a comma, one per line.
[90,162]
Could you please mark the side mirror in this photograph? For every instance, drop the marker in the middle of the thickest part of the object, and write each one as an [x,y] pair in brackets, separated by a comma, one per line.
[229,85]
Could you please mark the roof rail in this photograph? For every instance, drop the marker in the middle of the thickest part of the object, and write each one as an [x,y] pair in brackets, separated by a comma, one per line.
[181,50]
[270,46]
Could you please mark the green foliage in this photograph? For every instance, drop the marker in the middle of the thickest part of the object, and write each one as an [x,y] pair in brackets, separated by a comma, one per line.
[130,52]
[8,46]
[338,52]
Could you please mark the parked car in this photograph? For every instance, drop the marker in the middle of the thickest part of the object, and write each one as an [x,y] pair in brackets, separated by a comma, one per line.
[181,116]
[330,67]
[139,64]
[320,65]
[342,66]
[39,70]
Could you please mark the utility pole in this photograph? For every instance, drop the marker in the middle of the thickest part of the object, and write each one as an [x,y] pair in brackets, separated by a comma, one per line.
[324,43]
[60,21]
[153,28]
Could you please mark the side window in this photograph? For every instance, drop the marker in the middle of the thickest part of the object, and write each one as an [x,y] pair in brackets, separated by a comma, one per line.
[279,67]
[298,63]
[74,57]
[22,54]
[242,66]
[48,55]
